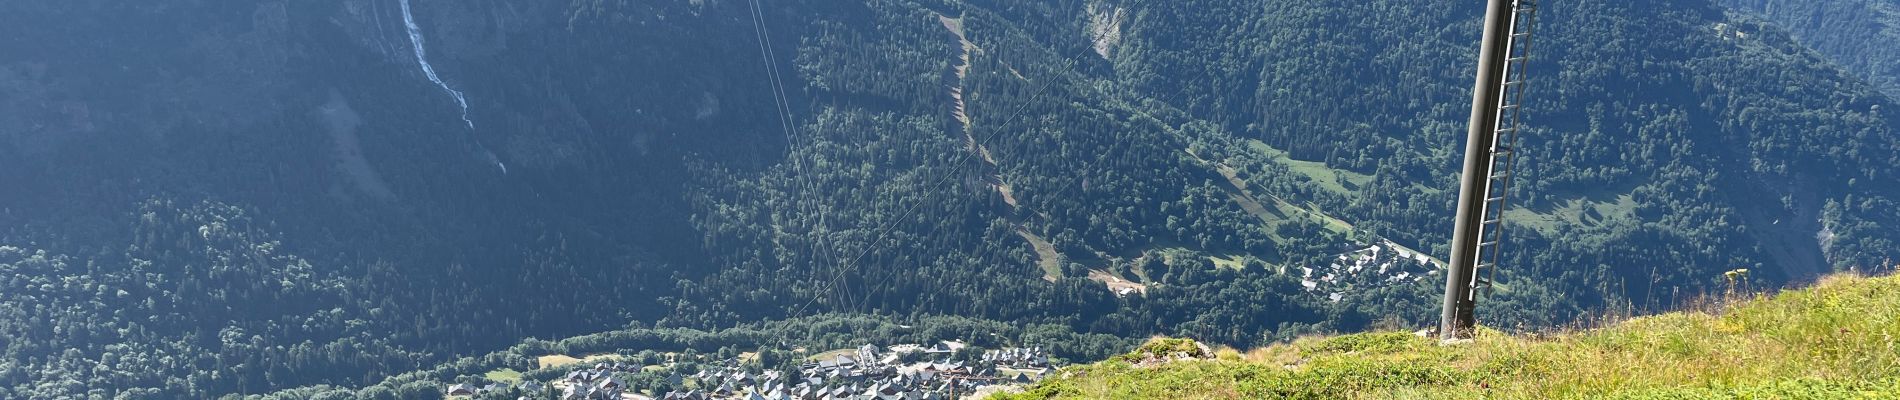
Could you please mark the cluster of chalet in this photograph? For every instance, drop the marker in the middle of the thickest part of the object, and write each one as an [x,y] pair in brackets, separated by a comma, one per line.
[1032,357]
[732,382]
[597,383]
[1382,264]
[1019,364]
[869,374]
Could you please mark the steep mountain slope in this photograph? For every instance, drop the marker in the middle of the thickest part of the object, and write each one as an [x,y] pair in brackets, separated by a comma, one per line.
[368,230]
[293,171]
[1726,144]
[1860,35]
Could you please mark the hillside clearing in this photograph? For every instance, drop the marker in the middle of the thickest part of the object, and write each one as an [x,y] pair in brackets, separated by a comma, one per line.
[504,375]
[1046,255]
[557,360]
[1274,213]
[1335,180]
[1116,284]
[1588,212]
[1231,262]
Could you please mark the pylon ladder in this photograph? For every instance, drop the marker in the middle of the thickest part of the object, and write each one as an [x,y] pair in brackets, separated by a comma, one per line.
[1504,147]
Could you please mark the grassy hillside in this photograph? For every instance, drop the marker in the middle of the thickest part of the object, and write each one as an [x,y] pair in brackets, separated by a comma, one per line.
[1838,339]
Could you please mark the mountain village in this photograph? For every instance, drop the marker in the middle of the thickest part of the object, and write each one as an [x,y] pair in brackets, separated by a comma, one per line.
[869,372]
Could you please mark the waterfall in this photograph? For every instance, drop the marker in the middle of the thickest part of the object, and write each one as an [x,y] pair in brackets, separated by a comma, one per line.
[422,59]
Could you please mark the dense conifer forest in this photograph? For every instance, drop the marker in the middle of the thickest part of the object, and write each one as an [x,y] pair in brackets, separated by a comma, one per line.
[211,198]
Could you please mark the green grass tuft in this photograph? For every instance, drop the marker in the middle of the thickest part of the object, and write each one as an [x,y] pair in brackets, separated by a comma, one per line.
[1371,343]
[1166,347]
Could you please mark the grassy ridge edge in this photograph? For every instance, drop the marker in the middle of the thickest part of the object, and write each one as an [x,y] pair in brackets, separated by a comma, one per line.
[1839,338]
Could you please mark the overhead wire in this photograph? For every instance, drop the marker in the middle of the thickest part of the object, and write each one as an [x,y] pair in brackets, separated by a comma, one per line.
[801,182]
[819,249]
[839,272]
